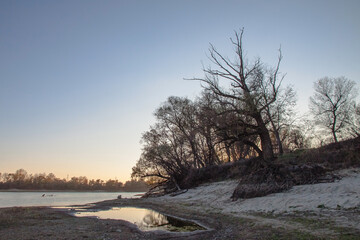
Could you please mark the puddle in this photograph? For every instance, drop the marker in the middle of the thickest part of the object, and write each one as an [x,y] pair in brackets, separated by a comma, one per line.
[145,219]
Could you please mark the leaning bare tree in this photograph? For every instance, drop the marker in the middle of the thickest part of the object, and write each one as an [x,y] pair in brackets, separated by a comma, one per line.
[332,103]
[252,89]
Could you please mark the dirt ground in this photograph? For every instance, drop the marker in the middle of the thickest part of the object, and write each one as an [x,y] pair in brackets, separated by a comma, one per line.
[48,223]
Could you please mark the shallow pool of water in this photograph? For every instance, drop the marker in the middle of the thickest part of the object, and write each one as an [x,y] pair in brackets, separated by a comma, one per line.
[145,219]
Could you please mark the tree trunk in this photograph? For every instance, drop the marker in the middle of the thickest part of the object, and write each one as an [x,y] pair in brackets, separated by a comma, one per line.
[334,135]
[277,136]
[227,149]
[279,143]
[266,146]
[334,126]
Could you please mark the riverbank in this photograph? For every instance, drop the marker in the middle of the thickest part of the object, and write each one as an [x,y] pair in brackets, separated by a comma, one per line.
[318,211]
[46,190]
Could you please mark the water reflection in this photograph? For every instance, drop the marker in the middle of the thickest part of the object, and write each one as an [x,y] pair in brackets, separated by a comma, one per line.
[145,219]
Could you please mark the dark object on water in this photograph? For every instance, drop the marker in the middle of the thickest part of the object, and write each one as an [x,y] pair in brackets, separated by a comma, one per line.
[49,195]
[119,197]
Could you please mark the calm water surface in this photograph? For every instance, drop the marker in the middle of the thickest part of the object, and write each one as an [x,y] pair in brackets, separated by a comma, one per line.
[22,199]
[145,219]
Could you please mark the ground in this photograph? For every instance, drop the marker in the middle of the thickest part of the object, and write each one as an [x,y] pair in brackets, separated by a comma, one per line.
[318,211]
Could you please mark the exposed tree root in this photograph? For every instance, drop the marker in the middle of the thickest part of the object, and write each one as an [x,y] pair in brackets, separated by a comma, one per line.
[261,178]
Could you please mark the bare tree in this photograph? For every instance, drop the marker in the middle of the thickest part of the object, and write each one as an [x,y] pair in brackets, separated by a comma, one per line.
[281,115]
[354,121]
[207,138]
[252,89]
[332,102]
[182,139]
[175,144]
[294,138]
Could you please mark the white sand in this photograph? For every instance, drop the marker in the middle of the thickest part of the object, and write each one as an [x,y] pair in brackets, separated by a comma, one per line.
[344,194]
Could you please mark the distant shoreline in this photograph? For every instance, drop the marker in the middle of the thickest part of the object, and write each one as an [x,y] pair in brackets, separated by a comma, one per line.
[46,190]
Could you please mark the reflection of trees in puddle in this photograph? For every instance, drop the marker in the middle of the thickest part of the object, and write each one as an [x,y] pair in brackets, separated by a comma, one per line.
[145,219]
[153,219]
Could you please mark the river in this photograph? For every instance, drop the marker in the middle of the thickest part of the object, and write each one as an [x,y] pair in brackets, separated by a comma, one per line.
[23,199]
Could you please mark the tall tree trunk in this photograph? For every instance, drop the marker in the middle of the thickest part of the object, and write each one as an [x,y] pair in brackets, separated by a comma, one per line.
[334,126]
[227,149]
[266,146]
[334,135]
[278,141]
[277,136]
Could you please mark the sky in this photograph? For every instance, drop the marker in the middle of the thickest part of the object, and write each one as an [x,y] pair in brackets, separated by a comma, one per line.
[81,79]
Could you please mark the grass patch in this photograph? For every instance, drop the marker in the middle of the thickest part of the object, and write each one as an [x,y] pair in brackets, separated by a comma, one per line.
[312,223]
[18,216]
[325,228]
[298,235]
[316,223]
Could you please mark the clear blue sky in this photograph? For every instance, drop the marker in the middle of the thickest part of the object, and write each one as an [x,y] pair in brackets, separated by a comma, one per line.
[80,80]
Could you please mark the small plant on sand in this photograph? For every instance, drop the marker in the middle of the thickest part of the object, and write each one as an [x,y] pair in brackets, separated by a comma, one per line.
[322,206]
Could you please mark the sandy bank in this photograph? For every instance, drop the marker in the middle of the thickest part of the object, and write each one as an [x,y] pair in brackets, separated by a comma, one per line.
[344,194]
